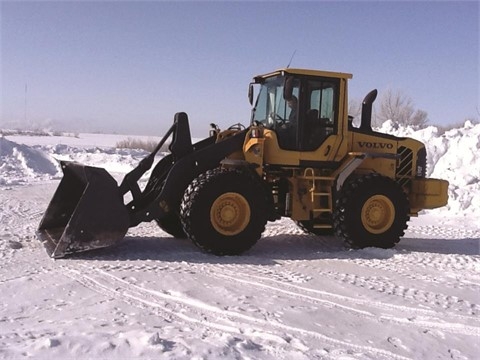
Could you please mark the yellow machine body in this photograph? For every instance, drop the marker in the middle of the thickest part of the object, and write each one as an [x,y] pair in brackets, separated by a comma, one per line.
[315,174]
[301,157]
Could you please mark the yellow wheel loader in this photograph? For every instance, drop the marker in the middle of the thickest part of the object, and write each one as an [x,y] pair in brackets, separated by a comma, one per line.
[301,157]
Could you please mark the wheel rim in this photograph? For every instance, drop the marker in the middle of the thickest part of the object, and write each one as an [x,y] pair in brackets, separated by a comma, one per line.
[230,214]
[378,214]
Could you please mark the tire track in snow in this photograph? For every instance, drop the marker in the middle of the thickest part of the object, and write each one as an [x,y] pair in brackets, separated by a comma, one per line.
[339,301]
[19,219]
[18,211]
[167,304]
[445,232]
[384,285]
[283,283]
[459,267]
[26,274]
[380,284]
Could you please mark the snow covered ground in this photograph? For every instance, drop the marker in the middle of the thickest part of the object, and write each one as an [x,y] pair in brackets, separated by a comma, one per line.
[292,296]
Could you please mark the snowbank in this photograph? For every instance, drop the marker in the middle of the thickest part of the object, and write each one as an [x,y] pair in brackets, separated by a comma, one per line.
[453,156]
[112,159]
[21,164]
[27,159]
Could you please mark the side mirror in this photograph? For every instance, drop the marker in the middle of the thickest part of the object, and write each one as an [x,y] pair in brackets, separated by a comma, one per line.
[288,88]
[250,94]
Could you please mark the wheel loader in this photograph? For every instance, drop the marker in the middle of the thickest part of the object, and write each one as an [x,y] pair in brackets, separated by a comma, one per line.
[301,157]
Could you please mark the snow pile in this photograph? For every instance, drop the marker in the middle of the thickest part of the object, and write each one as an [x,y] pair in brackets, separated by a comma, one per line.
[20,164]
[23,160]
[112,159]
[453,156]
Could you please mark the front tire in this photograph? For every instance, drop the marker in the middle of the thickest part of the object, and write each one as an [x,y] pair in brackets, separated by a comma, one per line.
[371,210]
[224,211]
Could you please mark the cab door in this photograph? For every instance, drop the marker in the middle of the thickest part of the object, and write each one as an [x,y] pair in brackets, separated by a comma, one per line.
[319,140]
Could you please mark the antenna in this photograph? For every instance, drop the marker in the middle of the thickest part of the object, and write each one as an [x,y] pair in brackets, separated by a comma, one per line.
[25,104]
[294,52]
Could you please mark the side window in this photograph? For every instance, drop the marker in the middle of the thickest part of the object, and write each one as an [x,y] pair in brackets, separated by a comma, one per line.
[322,99]
[320,121]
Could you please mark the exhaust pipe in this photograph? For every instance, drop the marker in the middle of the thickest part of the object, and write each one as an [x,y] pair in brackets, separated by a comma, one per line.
[366,123]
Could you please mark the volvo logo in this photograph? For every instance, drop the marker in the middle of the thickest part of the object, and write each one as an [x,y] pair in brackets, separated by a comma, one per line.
[374,145]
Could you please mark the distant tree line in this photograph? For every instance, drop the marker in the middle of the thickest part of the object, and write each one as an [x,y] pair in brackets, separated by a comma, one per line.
[147,145]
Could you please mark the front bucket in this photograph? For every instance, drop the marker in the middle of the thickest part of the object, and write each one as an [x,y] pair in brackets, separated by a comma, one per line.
[86,212]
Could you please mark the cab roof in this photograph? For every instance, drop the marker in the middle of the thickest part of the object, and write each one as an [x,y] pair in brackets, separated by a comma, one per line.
[296,71]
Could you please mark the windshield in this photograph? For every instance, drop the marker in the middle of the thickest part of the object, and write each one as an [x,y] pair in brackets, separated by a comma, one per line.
[271,108]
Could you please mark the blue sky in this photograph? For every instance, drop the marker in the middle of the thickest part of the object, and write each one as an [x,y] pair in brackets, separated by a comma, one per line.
[127,67]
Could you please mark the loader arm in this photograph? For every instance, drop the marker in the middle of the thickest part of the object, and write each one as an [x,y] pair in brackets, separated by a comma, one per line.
[167,185]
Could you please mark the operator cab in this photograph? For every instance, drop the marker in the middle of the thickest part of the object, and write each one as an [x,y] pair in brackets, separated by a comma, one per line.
[301,107]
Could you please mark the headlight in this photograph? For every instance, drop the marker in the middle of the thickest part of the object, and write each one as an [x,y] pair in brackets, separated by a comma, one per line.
[256,150]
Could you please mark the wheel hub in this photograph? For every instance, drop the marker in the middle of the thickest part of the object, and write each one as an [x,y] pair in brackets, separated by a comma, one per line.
[378,214]
[230,214]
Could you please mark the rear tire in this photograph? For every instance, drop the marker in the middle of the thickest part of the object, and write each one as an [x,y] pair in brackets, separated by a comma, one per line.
[224,211]
[371,210]
[172,225]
